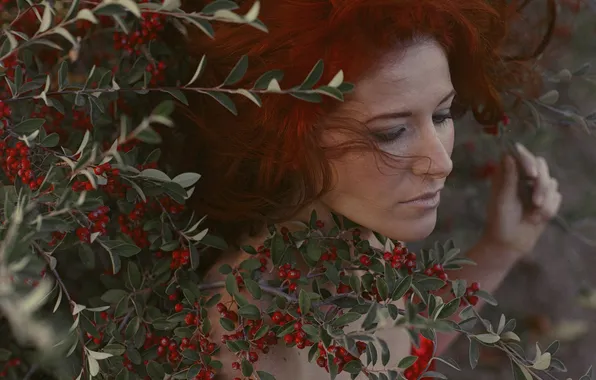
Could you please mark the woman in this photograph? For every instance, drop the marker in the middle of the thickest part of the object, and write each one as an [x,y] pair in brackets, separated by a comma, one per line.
[381,157]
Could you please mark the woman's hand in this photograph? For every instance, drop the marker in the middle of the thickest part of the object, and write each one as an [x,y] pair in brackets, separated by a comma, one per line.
[511,226]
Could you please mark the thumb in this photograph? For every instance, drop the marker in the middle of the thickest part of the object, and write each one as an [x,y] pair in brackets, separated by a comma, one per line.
[507,179]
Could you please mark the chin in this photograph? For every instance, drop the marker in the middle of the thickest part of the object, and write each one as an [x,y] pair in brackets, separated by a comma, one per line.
[410,230]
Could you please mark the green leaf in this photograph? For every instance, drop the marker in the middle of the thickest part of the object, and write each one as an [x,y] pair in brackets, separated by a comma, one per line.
[237,72]
[250,311]
[353,366]
[385,353]
[449,309]
[263,82]
[177,94]
[404,285]
[265,375]
[155,371]
[247,368]
[114,295]
[346,319]
[434,375]
[132,327]
[253,288]
[149,136]
[114,349]
[278,249]
[50,140]
[486,297]
[250,265]
[382,288]
[29,125]
[187,179]
[520,373]
[164,108]
[134,275]
[473,353]
[407,362]
[87,256]
[224,100]
[313,250]
[231,284]
[225,269]
[304,302]
[214,242]
[314,76]
[121,248]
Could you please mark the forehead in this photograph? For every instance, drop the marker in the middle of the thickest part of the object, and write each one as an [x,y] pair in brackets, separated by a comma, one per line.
[412,78]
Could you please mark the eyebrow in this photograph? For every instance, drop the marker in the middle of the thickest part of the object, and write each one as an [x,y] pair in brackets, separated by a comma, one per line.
[397,115]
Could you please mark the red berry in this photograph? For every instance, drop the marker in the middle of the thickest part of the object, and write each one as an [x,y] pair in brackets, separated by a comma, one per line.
[294,274]
[253,357]
[179,307]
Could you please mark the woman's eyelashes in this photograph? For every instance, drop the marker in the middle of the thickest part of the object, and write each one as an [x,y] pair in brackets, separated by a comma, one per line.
[396,133]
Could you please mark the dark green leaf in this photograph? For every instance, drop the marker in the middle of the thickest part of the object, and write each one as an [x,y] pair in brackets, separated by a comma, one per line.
[473,353]
[114,349]
[385,353]
[407,362]
[401,289]
[87,256]
[114,295]
[132,327]
[51,140]
[353,366]
[231,284]
[250,265]
[224,100]
[214,242]
[149,136]
[434,375]
[250,312]
[155,371]
[313,250]
[449,309]
[314,76]
[164,108]
[487,297]
[278,249]
[249,249]
[253,288]
[304,302]
[237,72]
[178,94]
[134,275]
[29,125]
[225,269]
[247,368]
[263,82]
[346,319]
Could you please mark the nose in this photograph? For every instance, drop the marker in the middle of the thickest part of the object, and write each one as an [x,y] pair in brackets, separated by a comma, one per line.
[433,156]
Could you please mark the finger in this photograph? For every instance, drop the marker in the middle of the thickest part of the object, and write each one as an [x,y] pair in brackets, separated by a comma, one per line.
[527,161]
[508,178]
[543,182]
[550,207]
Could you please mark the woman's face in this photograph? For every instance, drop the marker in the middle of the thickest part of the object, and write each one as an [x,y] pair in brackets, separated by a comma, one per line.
[405,106]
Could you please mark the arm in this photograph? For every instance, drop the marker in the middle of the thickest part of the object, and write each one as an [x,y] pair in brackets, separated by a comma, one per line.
[493,265]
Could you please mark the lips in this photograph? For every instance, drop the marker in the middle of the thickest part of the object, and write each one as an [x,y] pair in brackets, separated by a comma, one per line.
[426,200]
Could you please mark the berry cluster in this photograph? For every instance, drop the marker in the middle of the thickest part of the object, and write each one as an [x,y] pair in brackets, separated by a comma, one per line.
[14,362]
[99,220]
[400,257]
[290,275]
[470,294]
[54,121]
[425,354]
[149,26]
[341,356]
[81,120]
[157,71]
[16,164]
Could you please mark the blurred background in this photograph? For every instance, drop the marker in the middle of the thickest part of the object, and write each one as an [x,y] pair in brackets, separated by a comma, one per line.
[551,293]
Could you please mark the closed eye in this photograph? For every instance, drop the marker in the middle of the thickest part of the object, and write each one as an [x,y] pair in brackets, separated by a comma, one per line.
[387,137]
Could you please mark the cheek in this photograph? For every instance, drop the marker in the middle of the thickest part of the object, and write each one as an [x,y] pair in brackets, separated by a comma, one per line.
[367,177]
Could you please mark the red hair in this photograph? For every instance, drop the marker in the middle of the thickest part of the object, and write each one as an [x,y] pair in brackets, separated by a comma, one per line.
[267,163]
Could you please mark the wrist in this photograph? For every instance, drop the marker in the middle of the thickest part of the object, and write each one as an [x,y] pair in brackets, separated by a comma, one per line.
[503,249]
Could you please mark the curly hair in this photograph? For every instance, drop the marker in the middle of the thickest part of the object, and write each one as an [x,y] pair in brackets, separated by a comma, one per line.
[267,163]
